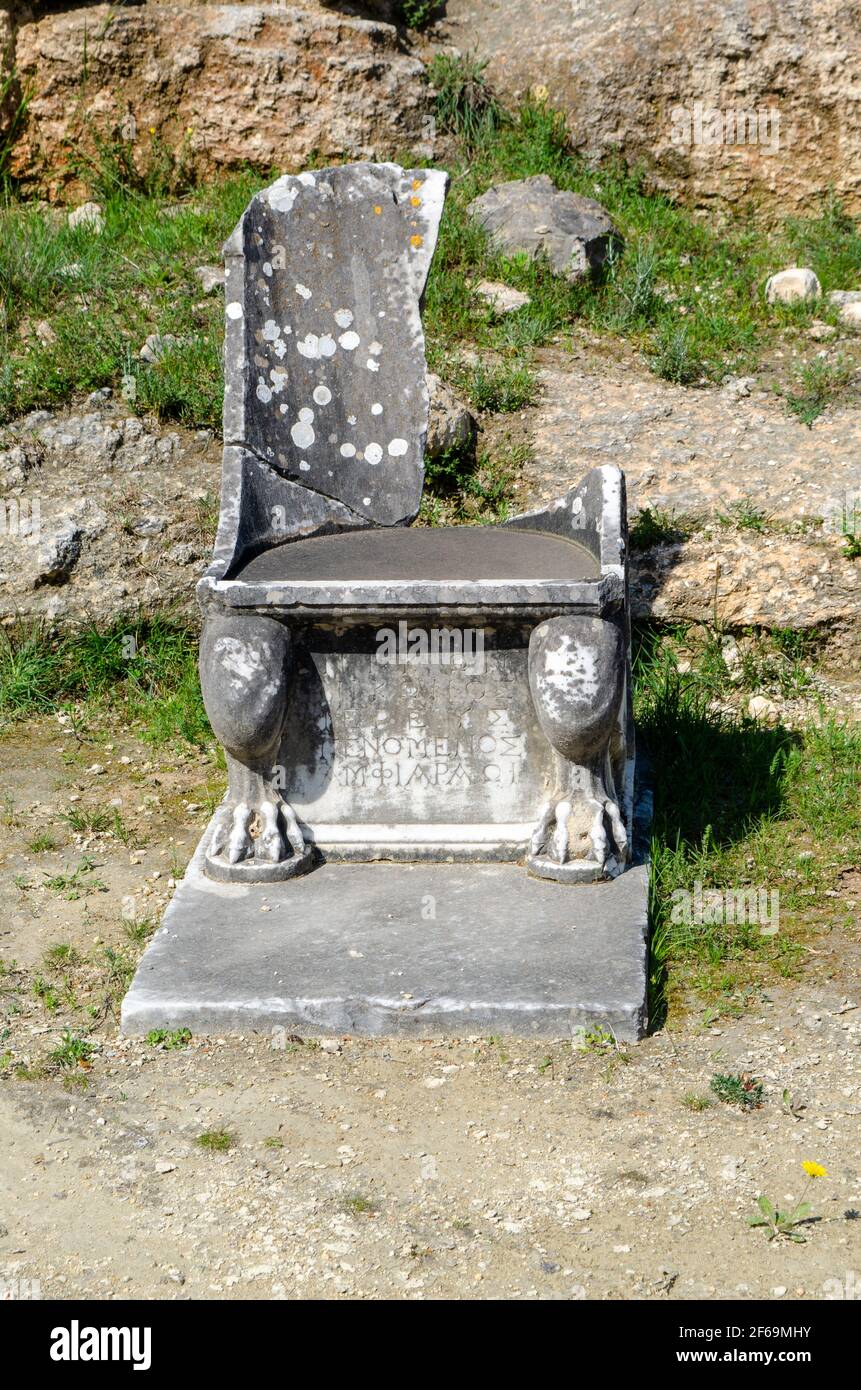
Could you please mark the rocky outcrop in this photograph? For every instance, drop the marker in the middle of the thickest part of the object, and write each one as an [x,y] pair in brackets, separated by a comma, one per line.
[229,85]
[724,100]
[102,514]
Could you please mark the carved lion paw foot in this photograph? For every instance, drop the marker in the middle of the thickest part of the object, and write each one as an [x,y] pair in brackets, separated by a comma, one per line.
[257,840]
[578,839]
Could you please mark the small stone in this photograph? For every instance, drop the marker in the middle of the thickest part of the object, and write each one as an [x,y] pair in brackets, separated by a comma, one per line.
[760,707]
[58,555]
[778,1291]
[502,299]
[820,331]
[211,277]
[850,315]
[450,425]
[330,1045]
[156,345]
[792,286]
[88,215]
[432,1082]
[164,1167]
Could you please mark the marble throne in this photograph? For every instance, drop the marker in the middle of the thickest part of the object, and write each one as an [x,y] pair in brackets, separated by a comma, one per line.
[384,691]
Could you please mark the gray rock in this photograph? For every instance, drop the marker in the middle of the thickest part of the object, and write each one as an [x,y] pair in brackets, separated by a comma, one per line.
[58,554]
[502,299]
[792,286]
[211,277]
[534,217]
[88,215]
[450,425]
[156,345]
[842,297]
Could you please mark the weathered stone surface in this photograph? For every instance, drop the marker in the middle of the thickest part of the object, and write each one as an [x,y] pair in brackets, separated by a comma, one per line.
[643,76]
[450,424]
[749,580]
[702,454]
[689,451]
[211,277]
[324,348]
[384,949]
[792,286]
[232,84]
[534,217]
[121,508]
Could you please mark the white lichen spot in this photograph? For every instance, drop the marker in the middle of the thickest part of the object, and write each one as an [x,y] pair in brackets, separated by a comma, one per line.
[267,268]
[343,317]
[234,310]
[284,408]
[271,331]
[279,379]
[376,408]
[309,346]
[366,501]
[306,415]
[351,419]
[279,347]
[263,392]
[308,180]
[398,447]
[304,465]
[374,452]
[302,435]
[375,349]
[302,290]
[328,346]
[322,395]
[372,364]
[349,341]
[348,451]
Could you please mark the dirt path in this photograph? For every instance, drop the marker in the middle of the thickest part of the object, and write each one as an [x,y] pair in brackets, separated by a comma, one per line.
[471,1168]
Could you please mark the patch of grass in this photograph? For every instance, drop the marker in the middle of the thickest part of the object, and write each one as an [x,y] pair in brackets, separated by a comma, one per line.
[143,672]
[169,1039]
[417,14]
[42,843]
[357,1204]
[500,387]
[465,105]
[460,489]
[62,954]
[216,1140]
[739,808]
[745,515]
[87,820]
[818,384]
[695,1102]
[740,1089]
[674,357]
[76,883]
[72,1051]
[653,526]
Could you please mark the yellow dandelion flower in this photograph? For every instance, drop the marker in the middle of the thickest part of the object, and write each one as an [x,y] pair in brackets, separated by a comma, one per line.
[416,241]
[152,130]
[416,202]
[378,209]
[541,93]
[417,183]
[814,1170]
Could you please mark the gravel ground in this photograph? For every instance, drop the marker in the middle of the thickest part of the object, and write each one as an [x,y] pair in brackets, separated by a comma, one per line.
[467,1168]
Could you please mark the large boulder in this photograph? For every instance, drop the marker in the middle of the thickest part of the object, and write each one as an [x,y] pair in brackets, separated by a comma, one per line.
[230,84]
[675,83]
[533,217]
